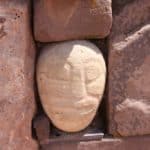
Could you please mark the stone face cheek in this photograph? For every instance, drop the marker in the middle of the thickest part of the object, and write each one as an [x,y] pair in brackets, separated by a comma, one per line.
[16,76]
[71,80]
[56,20]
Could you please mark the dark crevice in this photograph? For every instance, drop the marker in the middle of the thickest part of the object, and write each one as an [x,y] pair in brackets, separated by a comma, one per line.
[118,5]
[34,135]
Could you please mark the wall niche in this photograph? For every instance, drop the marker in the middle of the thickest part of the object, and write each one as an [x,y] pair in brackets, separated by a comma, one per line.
[51,59]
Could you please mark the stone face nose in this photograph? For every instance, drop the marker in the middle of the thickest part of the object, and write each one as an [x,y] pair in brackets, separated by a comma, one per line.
[77,82]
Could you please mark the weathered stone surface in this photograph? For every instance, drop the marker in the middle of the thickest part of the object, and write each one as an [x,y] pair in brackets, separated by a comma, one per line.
[135,143]
[56,20]
[126,20]
[129,71]
[118,5]
[16,76]
[71,80]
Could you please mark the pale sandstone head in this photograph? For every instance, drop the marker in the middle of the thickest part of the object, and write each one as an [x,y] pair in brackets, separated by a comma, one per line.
[71,80]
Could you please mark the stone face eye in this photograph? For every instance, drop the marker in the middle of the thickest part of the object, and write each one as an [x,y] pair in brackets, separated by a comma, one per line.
[72,84]
[63,71]
[92,71]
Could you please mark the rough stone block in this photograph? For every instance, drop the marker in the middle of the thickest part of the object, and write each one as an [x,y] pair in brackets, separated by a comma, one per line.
[16,76]
[129,71]
[56,20]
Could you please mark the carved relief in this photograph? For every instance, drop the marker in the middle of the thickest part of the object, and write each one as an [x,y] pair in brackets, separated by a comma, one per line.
[71,80]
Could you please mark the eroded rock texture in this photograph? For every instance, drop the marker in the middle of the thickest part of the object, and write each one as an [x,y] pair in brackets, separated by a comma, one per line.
[129,70]
[16,76]
[56,20]
[71,80]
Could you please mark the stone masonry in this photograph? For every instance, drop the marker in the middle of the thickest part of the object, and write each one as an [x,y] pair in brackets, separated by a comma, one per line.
[57,57]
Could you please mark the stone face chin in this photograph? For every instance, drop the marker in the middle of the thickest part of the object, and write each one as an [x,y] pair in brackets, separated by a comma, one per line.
[71,81]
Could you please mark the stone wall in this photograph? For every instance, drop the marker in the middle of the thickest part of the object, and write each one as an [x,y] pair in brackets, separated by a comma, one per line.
[74,74]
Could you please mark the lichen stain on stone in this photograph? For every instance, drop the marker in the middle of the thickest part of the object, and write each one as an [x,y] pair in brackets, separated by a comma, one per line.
[94,3]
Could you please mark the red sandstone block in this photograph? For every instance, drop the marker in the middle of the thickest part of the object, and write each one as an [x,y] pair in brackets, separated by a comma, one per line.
[129,71]
[16,76]
[58,20]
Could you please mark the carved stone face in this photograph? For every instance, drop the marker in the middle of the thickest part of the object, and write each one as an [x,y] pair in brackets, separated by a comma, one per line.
[71,80]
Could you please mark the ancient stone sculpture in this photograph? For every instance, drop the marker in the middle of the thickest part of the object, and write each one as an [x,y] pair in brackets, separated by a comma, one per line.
[71,80]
